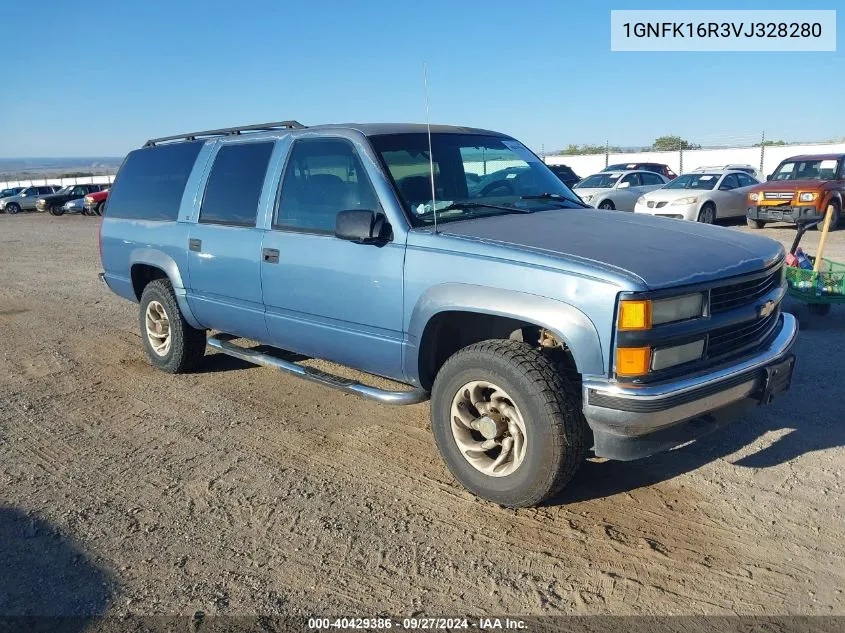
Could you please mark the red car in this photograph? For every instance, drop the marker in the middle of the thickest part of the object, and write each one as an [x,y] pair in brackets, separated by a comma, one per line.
[94,202]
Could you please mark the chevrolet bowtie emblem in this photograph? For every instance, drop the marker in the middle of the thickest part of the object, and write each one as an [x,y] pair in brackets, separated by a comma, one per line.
[766,309]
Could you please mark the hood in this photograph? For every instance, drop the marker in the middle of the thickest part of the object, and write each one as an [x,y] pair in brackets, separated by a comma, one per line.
[591,191]
[659,251]
[58,197]
[791,185]
[674,194]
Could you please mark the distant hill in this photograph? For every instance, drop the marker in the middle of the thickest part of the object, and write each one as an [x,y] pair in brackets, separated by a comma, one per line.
[29,168]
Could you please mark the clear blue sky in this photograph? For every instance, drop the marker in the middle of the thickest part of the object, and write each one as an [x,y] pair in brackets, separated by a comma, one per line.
[100,77]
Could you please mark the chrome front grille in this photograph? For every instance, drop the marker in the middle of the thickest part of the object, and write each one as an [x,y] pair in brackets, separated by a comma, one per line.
[724,298]
[778,195]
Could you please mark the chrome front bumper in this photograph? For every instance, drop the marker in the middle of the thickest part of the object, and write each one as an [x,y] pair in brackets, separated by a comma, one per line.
[632,422]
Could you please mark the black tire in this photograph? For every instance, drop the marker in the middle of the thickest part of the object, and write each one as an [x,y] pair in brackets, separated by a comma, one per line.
[187,345]
[834,221]
[57,211]
[707,215]
[607,205]
[819,308]
[557,434]
[754,224]
[13,208]
[99,209]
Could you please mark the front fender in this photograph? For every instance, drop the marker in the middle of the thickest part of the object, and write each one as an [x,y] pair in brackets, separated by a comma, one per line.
[831,196]
[567,322]
[165,263]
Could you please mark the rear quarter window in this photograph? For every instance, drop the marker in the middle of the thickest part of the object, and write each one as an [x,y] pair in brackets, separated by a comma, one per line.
[151,182]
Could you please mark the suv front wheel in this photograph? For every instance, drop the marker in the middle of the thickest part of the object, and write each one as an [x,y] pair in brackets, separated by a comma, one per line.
[833,208]
[507,423]
[171,344]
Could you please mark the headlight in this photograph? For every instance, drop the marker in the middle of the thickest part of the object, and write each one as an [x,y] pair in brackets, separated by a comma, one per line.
[88,199]
[639,314]
[687,200]
[754,196]
[677,355]
[808,196]
[676,309]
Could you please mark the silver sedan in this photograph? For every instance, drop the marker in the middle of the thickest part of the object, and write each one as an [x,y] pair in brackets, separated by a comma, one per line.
[700,196]
[617,190]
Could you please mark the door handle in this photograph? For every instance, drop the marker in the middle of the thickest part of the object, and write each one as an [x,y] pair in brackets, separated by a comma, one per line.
[270,255]
[195,245]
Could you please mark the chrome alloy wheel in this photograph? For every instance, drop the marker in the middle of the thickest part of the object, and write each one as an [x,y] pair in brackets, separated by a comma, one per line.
[158,328]
[488,428]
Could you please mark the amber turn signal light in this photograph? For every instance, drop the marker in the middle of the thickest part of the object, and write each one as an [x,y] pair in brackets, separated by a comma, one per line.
[635,315]
[633,361]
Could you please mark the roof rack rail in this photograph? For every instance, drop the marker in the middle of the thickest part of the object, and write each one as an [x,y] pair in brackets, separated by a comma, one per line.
[228,131]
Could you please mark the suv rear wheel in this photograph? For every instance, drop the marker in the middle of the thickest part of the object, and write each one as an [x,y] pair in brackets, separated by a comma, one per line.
[171,344]
[507,423]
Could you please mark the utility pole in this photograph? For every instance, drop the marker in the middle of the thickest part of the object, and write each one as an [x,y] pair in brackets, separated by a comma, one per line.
[681,154]
[762,151]
[606,153]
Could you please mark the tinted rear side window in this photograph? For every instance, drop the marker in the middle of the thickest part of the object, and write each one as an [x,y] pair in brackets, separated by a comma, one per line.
[151,182]
[234,184]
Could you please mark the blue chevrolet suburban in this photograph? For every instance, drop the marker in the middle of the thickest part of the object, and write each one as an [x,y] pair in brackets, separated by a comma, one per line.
[452,260]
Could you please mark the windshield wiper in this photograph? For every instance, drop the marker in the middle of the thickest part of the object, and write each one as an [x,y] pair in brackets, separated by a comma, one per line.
[476,205]
[554,196]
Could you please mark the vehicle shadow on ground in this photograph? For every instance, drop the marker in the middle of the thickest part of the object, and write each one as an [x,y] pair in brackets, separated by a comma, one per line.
[46,581]
[805,419]
[219,361]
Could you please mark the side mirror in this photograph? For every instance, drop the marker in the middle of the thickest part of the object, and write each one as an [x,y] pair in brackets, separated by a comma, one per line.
[768,177]
[623,185]
[362,226]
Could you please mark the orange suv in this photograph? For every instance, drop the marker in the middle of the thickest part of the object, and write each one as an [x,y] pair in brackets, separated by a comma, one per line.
[799,190]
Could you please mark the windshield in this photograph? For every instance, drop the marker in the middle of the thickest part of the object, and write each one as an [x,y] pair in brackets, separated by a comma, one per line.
[806,170]
[66,189]
[472,168]
[598,181]
[10,192]
[693,181]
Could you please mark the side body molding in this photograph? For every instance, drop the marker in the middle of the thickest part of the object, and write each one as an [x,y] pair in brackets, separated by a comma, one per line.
[162,261]
[566,321]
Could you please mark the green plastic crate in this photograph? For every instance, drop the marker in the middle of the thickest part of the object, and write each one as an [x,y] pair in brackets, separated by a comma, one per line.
[825,286]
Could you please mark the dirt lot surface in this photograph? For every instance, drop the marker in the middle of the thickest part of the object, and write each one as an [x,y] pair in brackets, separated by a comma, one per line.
[239,490]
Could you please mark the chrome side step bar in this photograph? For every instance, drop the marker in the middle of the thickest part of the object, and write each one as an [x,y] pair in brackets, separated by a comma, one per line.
[222,343]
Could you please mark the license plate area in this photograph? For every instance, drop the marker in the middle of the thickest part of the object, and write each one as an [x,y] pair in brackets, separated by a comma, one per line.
[777,379]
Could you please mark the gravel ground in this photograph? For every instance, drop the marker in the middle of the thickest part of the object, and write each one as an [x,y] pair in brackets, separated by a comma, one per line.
[236,490]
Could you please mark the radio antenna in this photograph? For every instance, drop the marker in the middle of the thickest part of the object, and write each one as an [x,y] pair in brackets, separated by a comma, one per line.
[430,152]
